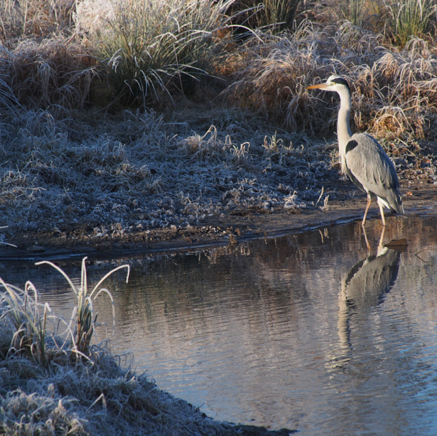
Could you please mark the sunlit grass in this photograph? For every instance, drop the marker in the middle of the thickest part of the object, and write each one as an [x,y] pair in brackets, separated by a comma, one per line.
[150,48]
[34,17]
[410,18]
[272,76]
[147,52]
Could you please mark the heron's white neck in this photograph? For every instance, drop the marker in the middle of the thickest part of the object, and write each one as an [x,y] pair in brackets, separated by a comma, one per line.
[343,127]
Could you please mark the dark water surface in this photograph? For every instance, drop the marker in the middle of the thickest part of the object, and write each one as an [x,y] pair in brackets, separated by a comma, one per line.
[303,331]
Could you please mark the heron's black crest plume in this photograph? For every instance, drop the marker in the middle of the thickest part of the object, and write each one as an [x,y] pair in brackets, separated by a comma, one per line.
[341,81]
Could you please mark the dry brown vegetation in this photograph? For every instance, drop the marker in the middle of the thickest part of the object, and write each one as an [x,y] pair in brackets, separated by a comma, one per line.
[234,130]
[116,129]
[394,91]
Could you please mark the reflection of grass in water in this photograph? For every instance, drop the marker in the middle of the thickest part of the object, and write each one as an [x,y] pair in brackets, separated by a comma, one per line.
[53,383]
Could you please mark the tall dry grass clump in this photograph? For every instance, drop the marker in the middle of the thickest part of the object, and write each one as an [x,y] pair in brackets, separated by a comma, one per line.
[275,15]
[34,18]
[51,73]
[271,74]
[396,20]
[402,97]
[152,48]
[409,19]
[42,62]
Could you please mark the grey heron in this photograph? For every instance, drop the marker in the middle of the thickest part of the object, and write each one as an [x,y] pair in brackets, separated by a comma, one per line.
[361,156]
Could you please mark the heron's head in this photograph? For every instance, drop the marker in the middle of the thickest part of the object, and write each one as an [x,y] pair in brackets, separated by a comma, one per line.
[334,83]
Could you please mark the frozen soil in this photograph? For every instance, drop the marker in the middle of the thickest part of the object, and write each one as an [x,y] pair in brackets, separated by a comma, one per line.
[225,229]
[106,186]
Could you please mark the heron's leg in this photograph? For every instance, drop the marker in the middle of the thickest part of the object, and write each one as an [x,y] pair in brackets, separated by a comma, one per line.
[381,209]
[369,200]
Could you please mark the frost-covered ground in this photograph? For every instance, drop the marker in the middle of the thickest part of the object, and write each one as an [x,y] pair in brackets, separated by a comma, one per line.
[142,172]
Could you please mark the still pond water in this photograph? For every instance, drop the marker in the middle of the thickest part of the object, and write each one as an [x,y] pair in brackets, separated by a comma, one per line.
[304,331]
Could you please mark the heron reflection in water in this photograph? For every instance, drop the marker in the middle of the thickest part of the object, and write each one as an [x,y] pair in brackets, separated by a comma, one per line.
[366,284]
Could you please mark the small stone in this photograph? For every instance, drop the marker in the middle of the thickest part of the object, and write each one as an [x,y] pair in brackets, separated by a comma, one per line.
[36,249]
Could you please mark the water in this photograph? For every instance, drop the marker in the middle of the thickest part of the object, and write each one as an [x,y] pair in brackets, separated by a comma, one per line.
[303,331]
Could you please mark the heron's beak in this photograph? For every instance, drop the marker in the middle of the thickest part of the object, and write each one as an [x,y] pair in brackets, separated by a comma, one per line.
[319,86]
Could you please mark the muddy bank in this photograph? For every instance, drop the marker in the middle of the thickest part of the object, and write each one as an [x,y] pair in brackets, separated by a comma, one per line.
[231,228]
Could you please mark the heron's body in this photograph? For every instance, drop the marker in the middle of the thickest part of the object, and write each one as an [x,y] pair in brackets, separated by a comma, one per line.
[362,157]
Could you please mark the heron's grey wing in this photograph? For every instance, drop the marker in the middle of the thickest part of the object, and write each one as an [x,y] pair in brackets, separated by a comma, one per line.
[373,169]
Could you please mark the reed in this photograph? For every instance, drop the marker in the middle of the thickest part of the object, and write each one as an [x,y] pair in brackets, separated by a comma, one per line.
[22,309]
[83,319]
[34,323]
[409,19]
